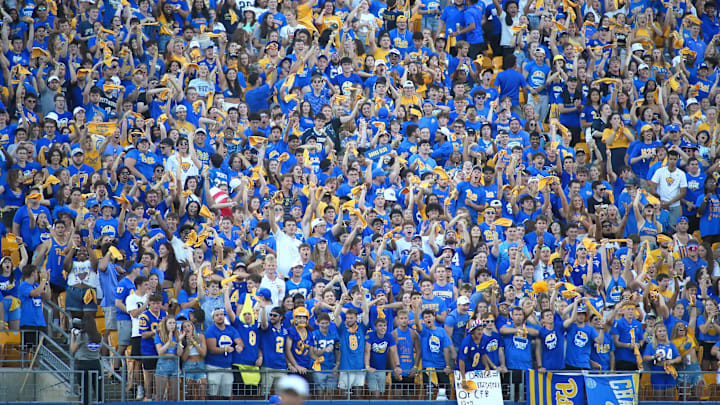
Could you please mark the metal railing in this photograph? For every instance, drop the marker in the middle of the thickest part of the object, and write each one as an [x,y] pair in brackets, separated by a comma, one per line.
[26,385]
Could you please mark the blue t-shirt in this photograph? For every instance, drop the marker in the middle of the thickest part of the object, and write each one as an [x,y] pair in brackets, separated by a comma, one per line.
[173,346]
[510,82]
[627,332]
[579,345]
[601,352]
[31,309]
[223,338]
[379,348]
[553,346]
[432,344]
[458,323]
[518,351]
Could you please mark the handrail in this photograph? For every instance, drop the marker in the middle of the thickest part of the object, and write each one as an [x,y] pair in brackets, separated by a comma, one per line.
[51,326]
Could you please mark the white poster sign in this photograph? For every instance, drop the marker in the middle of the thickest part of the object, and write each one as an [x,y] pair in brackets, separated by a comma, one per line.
[483,388]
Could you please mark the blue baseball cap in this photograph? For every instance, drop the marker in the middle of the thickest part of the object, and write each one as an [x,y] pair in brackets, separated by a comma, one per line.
[91,202]
[378,172]
[672,128]
[264,292]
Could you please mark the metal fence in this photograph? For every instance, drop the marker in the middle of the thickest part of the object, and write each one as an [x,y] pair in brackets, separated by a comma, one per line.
[121,385]
[41,386]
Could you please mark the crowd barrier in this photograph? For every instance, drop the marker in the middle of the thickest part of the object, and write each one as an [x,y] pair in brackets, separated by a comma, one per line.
[25,385]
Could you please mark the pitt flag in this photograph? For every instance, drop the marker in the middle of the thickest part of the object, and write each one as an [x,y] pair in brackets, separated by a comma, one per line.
[554,388]
[621,389]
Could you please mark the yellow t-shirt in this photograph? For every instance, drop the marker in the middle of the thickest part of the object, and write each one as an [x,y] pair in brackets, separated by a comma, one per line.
[620,141]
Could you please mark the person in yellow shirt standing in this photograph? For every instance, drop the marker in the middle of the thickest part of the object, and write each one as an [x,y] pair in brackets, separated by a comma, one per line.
[617,138]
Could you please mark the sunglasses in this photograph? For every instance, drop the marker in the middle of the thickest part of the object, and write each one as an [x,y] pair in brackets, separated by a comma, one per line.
[274,315]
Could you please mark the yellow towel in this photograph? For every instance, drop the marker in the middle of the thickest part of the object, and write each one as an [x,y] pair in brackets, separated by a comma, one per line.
[90,296]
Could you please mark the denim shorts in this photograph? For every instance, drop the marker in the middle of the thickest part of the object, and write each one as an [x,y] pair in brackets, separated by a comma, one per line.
[75,300]
[194,370]
[167,368]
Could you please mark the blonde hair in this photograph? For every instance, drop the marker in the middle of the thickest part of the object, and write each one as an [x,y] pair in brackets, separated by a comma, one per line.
[165,334]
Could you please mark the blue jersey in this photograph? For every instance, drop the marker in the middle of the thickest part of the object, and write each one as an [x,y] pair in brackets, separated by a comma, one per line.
[54,263]
[272,343]
[249,335]
[124,288]
[379,348]
[579,345]
[323,341]
[352,346]
[471,354]
[553,346]
[173,346]
[223,338]
[150,322]
[490,345]
[432,344]
[302,341]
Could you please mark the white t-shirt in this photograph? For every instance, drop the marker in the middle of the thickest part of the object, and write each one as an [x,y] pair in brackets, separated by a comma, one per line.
[133,302]
[669,184]
[83,273]
[187,167]
[287,252]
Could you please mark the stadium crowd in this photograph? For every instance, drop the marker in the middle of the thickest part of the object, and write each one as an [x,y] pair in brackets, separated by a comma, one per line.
[351,190]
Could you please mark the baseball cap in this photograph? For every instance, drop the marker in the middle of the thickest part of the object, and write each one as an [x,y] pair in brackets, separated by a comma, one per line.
[380,62]
[51,116]
[672,128]
[378,172]
[265,293]
[75,151]
[317,222]
[389,194]
[691,100]
[51,78]
[637,47]
[294,383]
[77,110]
[274,400]
[643,66]
[463,300]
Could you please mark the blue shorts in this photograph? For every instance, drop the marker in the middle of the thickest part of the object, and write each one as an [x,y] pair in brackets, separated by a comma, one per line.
[324,380]
[167,367]
[10,315]
[662,381]
[75,300]
[690,374]
[194,370]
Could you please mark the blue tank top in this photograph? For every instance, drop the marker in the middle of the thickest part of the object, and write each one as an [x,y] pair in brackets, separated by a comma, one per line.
[648,229]
[54,262]
[406,350]
[614,290]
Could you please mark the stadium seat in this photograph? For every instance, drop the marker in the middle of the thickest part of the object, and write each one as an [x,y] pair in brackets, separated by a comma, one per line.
[10,348]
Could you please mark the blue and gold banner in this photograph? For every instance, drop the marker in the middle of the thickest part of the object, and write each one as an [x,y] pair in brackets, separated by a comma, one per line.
[612,389]
[555,388]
